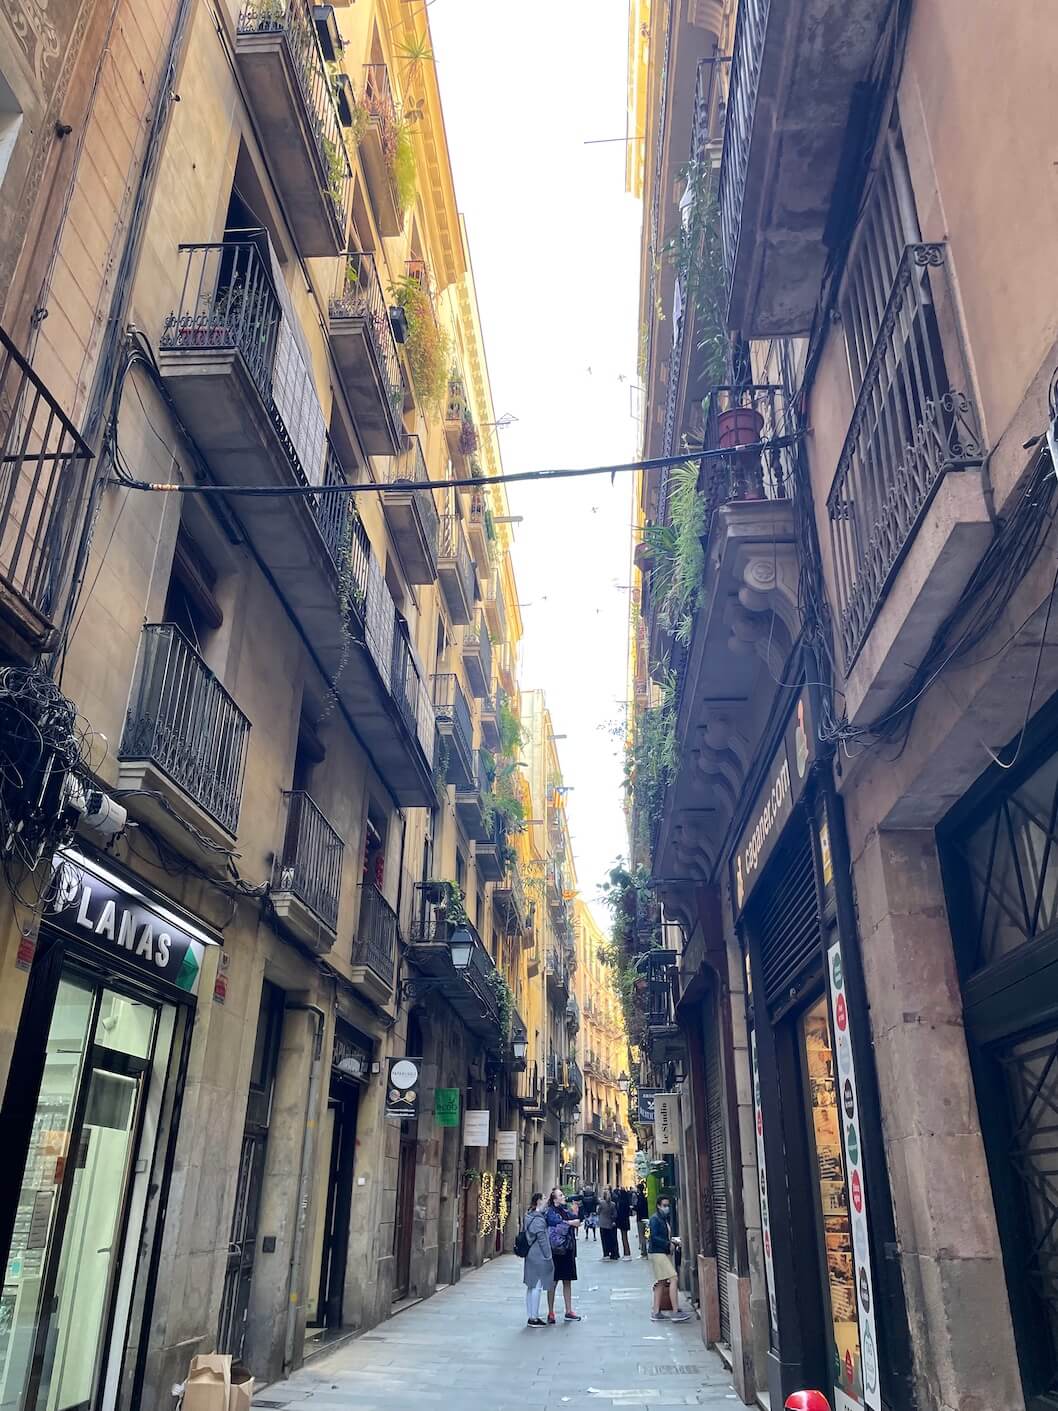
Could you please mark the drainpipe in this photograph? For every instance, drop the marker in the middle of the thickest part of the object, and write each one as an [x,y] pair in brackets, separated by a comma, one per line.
[308,1153]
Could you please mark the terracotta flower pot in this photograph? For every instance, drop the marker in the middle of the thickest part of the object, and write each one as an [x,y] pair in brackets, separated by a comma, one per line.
[742,426]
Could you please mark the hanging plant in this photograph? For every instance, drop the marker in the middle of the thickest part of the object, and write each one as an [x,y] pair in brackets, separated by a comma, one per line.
[677,554]
[426,344]
[402,166]
[505,1000]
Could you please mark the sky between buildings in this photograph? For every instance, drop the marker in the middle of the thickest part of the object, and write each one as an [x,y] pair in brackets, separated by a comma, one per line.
[554,242]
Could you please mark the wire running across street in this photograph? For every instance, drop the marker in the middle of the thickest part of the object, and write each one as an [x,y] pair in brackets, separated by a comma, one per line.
[402,487]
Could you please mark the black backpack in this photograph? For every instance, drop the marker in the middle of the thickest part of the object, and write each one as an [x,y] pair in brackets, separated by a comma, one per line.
[521,1244]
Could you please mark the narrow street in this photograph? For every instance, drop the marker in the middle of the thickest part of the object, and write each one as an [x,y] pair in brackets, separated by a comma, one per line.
[468,1346]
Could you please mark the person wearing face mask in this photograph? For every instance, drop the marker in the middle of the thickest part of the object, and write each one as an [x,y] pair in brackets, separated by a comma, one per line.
[659,1245]
[539,1268]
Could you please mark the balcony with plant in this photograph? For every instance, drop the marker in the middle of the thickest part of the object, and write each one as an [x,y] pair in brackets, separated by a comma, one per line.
[386,151]
[447,955]
[426,344]
[283,66]
[365,354]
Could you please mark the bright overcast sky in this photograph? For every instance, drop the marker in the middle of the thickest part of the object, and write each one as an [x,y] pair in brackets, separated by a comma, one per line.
[554,241]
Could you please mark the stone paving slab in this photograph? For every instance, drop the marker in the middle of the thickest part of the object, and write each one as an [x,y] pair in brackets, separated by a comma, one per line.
[468,1347]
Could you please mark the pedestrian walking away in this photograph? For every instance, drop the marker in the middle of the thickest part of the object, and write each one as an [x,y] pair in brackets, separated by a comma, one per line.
[539,1267]
[608,1226]
[642,1217]
[661,1265]
[624,1220]
[562,1225]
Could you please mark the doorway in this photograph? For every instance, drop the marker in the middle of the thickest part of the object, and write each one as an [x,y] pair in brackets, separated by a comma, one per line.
[82,1193]
[331,1249]
[242,1240]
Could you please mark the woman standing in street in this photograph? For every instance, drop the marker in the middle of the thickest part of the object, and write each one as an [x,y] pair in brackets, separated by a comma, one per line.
[539,1275]
[642,1217]
[562,1233]
[624,1219]
[608,1226]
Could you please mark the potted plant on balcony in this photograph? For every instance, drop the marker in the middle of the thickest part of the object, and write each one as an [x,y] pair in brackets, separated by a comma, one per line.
[468,436]
[425,342]
[736,426]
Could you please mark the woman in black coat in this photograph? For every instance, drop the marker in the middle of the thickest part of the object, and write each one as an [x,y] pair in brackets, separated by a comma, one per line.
[624,1220]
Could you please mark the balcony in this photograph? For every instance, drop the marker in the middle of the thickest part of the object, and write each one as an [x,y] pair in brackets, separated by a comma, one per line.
[232,366]
[491,853]
[495,611]
[742,631]
[307,875]
[914,422]
[471,987]
[457,411]
[479,528]
[510,901]
[572,1014]
[412,516]
[596,1123]
[455,730]
[796,69]
[375,947]
[365,353]
[489,717]
[378,149]
[184,743]
[281,64]
[477,657]
[44,479]
[455,569]
[470,803]
[557,973]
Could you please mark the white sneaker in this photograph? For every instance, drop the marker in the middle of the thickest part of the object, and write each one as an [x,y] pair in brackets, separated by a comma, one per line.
[626,1256]
[680,1317]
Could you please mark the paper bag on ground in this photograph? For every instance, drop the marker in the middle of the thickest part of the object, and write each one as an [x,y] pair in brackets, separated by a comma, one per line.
[241,1394]
[208,1384]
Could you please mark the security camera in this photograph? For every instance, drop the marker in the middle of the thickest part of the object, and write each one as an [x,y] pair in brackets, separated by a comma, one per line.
[104,815]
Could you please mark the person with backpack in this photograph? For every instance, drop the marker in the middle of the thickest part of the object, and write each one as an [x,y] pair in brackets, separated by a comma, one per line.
[608,1226]
[662,1266]
[562,1226]
[533,1245]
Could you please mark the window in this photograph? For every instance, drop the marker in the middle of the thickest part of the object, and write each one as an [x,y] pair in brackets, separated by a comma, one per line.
[888,224]
[190,602]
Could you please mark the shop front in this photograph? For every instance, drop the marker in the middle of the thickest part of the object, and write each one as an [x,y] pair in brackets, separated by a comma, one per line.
[813,1185]
[88,1129]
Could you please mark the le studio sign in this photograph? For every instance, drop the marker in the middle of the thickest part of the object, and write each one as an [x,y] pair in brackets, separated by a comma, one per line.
[774,804]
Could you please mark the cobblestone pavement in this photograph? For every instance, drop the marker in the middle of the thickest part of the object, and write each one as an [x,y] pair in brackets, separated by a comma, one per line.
[468,1348]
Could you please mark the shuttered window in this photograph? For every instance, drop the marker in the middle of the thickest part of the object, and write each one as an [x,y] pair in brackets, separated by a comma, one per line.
[786,915]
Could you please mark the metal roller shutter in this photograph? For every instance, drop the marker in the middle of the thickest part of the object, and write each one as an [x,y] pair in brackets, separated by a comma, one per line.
[786,918]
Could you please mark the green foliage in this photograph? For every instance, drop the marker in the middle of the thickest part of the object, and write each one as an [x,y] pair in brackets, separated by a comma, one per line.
[403,169]
[505,999]
[512,736]
[679,559]
[425,344]
[454,903]
[651,761]
[696,250]
[634,932]
[337,168]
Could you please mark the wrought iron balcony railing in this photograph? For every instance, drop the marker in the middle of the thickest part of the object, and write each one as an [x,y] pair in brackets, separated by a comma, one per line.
[410,468]
[747,53]
[309,864]
[377,933]
[182,719]
[228,300]
[452,547]
[44,473]
[914,420]
[294,19]
[477,655]
[455,724]
[360,294]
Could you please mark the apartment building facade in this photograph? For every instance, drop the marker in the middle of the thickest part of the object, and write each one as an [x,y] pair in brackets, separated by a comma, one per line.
[856,349]
[605,1144]
[265,938]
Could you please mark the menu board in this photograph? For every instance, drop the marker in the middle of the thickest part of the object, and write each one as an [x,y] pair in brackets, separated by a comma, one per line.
[833,1201]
